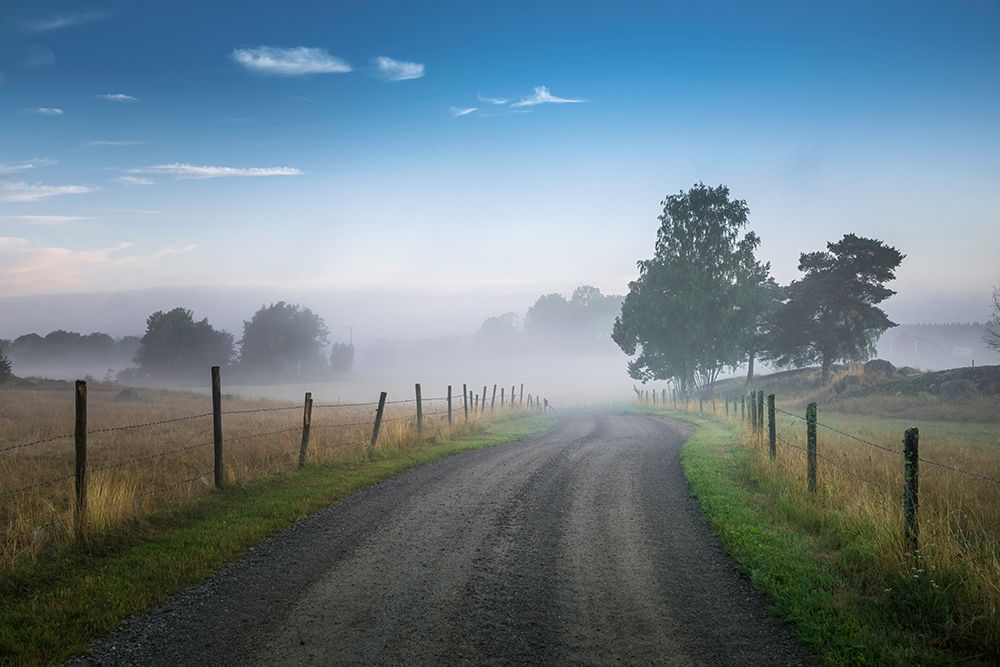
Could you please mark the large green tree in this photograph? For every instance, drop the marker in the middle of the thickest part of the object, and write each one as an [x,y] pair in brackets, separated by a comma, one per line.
[831,314]
[177,345]
[688,314]
[285,339]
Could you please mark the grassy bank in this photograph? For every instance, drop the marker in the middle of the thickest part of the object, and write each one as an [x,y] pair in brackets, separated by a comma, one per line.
[53,606]
[835,571]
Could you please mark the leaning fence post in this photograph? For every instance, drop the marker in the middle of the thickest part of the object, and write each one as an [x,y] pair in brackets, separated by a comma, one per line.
[483,404]
[217,425]
[449,406]
[465,401]
[772,428]
[420,410]
[811,445]
[378,424]
[80,436]
[306,425]
[911,458]
[493,401]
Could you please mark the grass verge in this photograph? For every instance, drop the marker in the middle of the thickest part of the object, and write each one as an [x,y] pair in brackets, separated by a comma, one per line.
[53,607]
[816,566]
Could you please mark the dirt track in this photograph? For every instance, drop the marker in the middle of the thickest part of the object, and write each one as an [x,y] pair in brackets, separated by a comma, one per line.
[581,545]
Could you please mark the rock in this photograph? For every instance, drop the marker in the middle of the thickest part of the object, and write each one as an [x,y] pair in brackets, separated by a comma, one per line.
[957,390]
[880,368]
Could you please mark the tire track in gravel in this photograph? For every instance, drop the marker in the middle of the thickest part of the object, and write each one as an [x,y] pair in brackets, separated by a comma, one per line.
[581,545]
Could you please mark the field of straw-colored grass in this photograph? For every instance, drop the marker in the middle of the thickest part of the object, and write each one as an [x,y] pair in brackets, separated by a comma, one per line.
[136,471]
[953,582]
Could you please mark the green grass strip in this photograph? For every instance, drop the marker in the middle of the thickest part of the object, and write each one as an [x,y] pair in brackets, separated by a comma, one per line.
[811,570]
[52,609]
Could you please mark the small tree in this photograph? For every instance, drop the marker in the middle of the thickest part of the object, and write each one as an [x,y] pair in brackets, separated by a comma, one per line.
[342,357]
[831,313]
[6,370]
[176,345]
[282,338]
[992,336]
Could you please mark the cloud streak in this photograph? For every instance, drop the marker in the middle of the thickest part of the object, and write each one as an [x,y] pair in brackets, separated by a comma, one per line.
[296,61]
[493,100]
[47,111]
[192,171]
[458,113]
[45,218]
[121,142]
[541,95]
[61,21]
[19,191]
[25,166]
[398,70]
[134,180]
[117,97]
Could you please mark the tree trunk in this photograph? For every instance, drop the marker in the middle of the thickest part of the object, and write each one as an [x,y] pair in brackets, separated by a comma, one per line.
[750,367]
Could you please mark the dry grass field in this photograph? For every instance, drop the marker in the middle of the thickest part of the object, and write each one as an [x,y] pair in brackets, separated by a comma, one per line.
[134,471]
[951,586]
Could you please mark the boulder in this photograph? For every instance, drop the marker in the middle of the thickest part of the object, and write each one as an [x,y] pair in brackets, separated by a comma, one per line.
[880,368]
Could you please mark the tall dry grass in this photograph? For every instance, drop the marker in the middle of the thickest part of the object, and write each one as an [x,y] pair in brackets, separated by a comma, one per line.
[950,587]
[133,473]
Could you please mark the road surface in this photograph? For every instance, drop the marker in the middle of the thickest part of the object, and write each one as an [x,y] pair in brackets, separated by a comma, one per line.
[581,545]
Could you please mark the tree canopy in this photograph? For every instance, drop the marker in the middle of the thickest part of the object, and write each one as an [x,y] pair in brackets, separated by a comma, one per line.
[689,313]
[992,336]
[284,338]
[831,313]
[177,345]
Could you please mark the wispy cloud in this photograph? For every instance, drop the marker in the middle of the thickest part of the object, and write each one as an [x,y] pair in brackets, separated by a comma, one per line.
[117,97]
[65,20]
[25,166]
[29,269]
[493,100]
[45,218]
[37,56]
[176,250]
[541,95]
[398,70]
[117,142]
[296,61]
[458,113]
[47,111]
[19,191]
[134,180]
[181,170]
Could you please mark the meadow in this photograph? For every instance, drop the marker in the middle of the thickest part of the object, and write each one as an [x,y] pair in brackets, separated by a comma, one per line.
[946,594]
[137,464]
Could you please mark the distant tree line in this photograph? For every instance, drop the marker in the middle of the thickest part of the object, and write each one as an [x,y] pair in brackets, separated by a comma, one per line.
[579,323]
[704,303]
[281,341]
[61,349]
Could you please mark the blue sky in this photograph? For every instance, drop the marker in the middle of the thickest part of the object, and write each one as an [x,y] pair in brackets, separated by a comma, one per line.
[212,144]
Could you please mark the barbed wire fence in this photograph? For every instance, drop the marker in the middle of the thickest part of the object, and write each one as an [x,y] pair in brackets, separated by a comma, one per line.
[760,415]
[453,407]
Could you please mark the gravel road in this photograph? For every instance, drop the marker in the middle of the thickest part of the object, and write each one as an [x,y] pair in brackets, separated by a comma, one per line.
[581,545]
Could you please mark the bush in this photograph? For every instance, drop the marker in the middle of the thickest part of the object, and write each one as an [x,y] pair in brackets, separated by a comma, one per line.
[6,371]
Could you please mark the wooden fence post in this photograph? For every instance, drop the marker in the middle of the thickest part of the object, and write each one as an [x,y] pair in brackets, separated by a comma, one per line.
[760,411]
[483,404]
[772,428]
[811,445]
[512,395]
[449,406]
[217,426]
[80,437]
[546,405]
[378,424]
[727,407]
[420,410]
[306,426]
[701,404]
[752,406]
[493,401]
[743,408]
[911,459]
[501,397]
[522,393]
[465,401]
